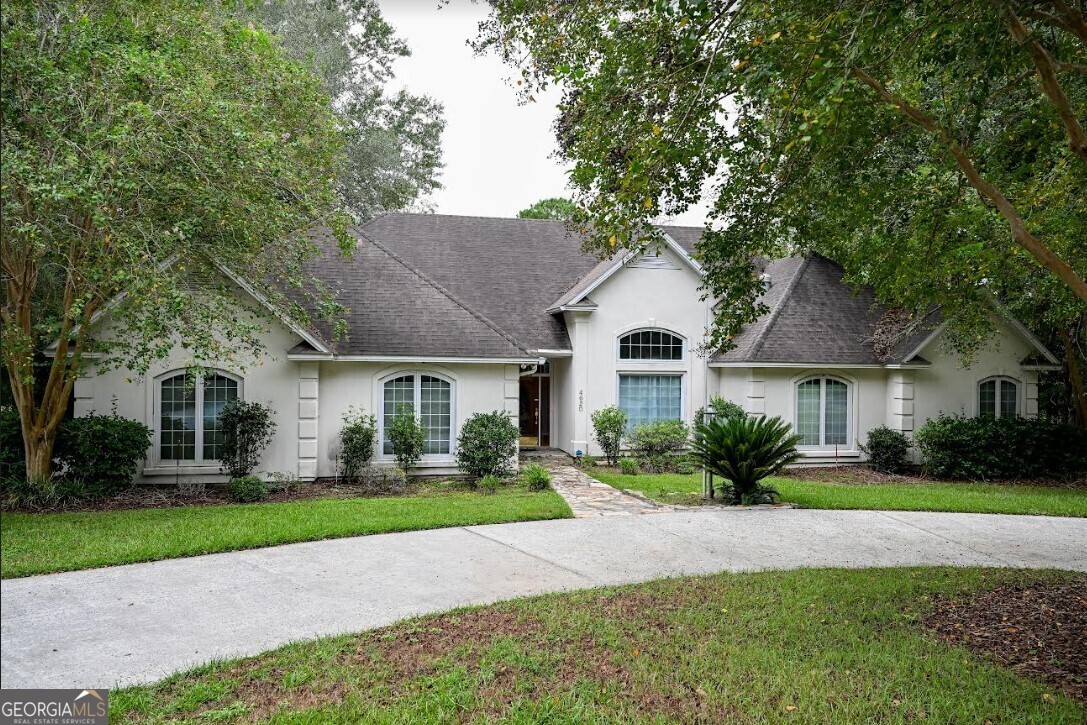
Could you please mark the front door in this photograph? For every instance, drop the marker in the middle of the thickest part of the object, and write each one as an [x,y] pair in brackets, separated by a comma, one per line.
[535,410]
[530,411]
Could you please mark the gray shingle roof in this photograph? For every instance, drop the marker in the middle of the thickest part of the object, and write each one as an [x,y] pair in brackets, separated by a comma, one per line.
[432,285]
[393,309]
[815,317]
[509,271]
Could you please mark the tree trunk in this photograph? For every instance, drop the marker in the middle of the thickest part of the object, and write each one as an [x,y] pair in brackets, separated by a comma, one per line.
[38,445]
[1075,377]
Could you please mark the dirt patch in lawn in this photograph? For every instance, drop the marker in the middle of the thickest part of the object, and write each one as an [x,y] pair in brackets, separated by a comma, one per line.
[1039,631]
[509,655]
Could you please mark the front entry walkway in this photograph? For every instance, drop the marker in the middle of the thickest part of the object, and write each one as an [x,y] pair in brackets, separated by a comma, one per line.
[141,622]
[585,495]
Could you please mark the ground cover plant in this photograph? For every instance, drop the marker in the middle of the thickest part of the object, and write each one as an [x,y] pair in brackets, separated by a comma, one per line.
[902,495]
[841,646]
[40,543]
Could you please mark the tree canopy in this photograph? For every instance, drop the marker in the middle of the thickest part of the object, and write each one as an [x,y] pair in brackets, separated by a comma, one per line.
[552,208]
[936,150]
[392,151]
[148,146]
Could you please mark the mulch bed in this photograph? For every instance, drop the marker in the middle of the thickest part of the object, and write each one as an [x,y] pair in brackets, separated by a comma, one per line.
[864,475]
[1039,631]
[171,496]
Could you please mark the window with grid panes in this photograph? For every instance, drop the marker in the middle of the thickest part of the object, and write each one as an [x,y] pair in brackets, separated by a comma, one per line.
[651,345]
[430,398]
[998,397]
[188,415]
[822,412]
[650,398]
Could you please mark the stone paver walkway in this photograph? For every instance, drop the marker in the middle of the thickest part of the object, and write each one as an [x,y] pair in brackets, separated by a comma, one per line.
[585,495]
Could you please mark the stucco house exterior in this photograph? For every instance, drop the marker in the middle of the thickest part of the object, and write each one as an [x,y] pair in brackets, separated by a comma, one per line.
[459,315]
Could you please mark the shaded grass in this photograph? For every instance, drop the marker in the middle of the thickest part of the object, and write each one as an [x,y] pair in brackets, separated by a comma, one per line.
[957,497]
[808,646]
[41,543]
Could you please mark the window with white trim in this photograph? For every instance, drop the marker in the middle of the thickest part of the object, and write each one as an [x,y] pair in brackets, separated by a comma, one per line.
[430,397]
[650,398]
[822,412]
[188,415]
[651,345]
[998,397]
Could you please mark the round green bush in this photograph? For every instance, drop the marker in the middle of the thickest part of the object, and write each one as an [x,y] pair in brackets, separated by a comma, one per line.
[487,445]
[628,466]
[247,489]
[887,449]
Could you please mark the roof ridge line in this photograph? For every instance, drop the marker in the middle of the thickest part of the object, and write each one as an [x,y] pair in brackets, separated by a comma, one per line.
[493,327]
[776,312]
[389,212]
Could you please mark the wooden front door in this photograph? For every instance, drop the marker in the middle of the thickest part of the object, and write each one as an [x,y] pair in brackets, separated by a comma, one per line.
[535,410]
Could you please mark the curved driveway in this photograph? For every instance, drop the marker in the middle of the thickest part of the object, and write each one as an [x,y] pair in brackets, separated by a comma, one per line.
[129,624]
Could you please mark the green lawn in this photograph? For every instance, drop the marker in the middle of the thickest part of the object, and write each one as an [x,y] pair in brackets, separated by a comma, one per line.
[809,646]
[41,543]
[960,497]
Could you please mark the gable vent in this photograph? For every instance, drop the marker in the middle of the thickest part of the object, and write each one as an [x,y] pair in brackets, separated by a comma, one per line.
[653,260]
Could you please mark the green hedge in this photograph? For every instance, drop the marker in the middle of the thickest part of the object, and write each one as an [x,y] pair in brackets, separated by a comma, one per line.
[101,451]
[986,448]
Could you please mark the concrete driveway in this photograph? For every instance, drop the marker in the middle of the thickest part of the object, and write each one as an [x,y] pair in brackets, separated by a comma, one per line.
[130,624]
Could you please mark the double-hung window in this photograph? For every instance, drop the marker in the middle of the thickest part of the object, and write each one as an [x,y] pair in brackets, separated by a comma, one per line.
[430,399]
[823,412]
[188,415]
[998,397]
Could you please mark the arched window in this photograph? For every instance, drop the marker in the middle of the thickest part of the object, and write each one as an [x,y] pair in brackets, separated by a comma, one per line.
[188,415]
[998,397]
[651,345]
[823,412]
[431,399]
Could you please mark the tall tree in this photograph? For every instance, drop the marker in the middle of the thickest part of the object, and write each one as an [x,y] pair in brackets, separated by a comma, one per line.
[392,154]
[932,132]
[552,208]
[147,145]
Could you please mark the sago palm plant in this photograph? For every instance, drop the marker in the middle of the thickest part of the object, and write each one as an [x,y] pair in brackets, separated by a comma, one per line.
[743,451]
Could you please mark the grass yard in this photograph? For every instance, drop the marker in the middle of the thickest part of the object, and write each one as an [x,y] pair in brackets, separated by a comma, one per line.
[809,646]
[42,543]
[989,498]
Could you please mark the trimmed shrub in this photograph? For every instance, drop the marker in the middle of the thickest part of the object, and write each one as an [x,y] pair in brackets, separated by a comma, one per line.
[246,429]
[247,489]
[490,484]
[887,449]
[744,451]
[407,438]
[987,448]
[487,445]
[536,477]
[101,451]
[660,438]
[358,438]
[609,425]
[719,407]
[628,466]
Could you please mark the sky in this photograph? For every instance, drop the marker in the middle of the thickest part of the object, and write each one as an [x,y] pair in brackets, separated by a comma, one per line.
[499,156]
